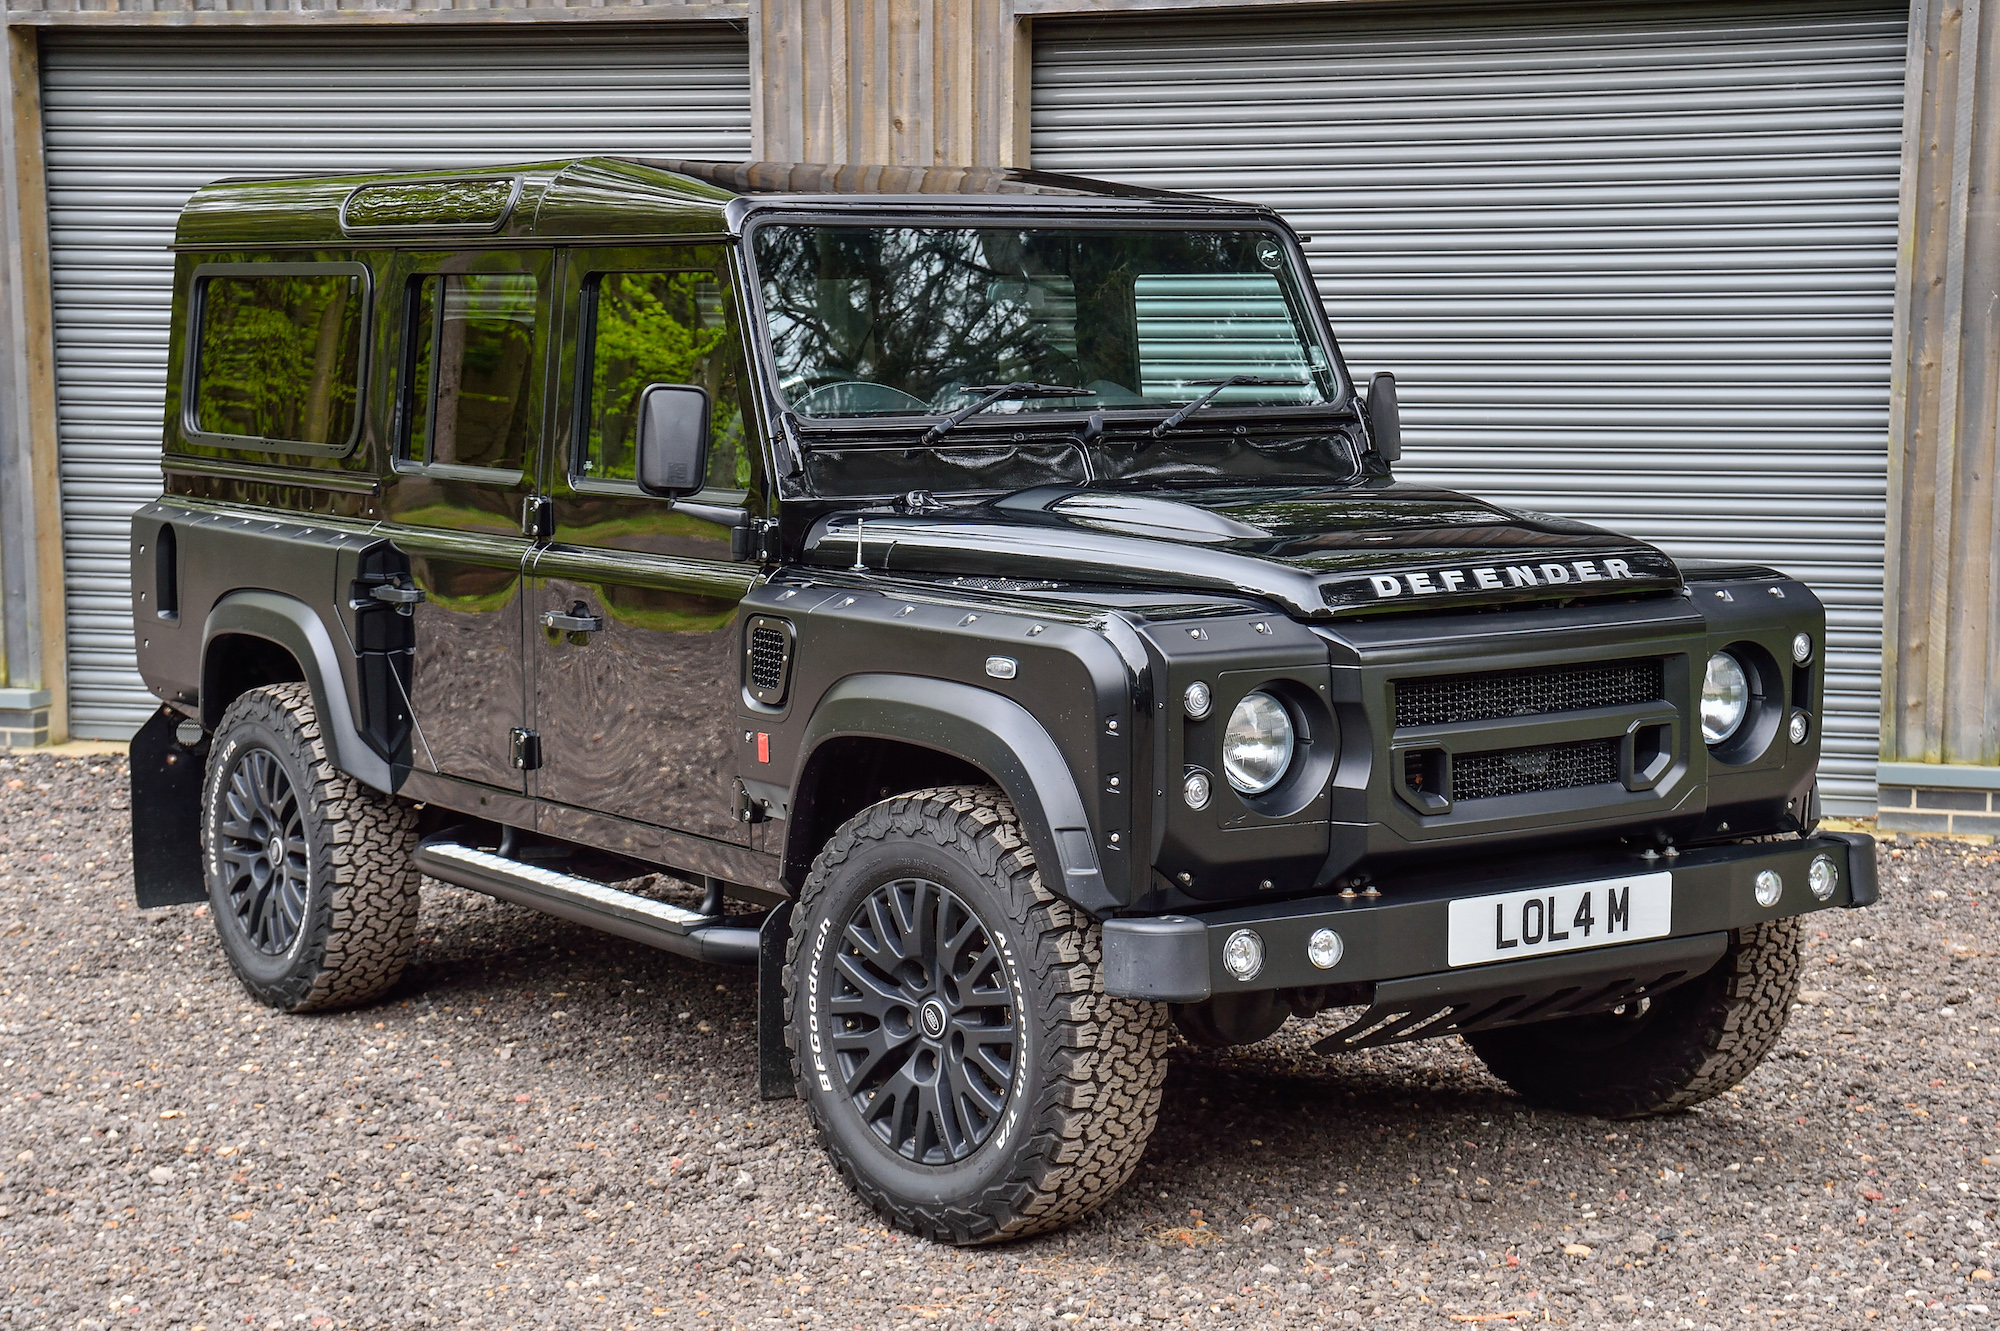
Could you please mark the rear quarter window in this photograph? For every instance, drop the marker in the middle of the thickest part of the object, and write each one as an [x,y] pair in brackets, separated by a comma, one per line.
[276,356]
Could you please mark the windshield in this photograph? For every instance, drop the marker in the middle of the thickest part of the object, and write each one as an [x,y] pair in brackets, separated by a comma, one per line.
[880,321]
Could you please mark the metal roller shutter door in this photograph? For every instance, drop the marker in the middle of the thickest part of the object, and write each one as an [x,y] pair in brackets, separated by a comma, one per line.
[1634,265]
[133,123]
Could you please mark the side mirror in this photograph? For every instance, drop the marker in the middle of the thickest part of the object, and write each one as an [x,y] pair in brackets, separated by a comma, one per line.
[1385,423]
[673,439]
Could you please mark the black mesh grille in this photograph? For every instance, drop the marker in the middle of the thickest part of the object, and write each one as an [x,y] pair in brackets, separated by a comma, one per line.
[1445,700]
[767,658]
[1478,776]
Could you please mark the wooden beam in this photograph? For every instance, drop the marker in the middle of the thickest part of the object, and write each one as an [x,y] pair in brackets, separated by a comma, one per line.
[1941,628]
[896,82]
[376,15]
[30,492]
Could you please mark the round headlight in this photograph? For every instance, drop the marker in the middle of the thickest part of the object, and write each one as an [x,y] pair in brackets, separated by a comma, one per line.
[1257,745]
[1823,877]
[1243,954]
[1725,697]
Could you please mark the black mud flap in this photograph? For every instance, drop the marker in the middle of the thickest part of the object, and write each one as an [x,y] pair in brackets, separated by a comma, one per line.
[774,1060]
[166,814]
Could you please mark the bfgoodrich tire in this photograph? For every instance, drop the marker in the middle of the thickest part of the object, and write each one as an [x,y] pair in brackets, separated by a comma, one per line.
[958,1056]
[309,873]
[1691,1043]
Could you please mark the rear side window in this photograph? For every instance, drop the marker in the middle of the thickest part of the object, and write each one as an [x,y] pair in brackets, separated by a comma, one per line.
[277,355]
[469,373]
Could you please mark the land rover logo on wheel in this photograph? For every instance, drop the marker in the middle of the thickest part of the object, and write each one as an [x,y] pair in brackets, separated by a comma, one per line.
[931,1015]
[1498,577]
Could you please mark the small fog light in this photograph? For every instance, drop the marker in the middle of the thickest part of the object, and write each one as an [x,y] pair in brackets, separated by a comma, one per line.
[1823,877]
[1769,888]
[1802,647]
[1243,954]
[1798,727]
[1323,949]
[1197,700]
[1195,790]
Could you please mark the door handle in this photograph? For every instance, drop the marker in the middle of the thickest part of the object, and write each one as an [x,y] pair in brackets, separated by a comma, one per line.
[576,620]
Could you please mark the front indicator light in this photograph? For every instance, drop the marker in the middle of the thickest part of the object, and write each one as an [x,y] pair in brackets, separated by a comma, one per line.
[1195,790]
[1323,949]
[1196,700]
[1798,728]
[1802,647]
[1243,954]
[1769,888]
[1823,877]
[1257,743]
[1725,697]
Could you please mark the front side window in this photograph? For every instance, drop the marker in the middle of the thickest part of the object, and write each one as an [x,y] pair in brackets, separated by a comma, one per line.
[469,369]
[882,320]
[659,328]
[278,356]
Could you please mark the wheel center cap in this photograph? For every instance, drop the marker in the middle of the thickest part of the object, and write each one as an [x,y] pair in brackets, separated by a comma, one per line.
[931,1017]
[276,850]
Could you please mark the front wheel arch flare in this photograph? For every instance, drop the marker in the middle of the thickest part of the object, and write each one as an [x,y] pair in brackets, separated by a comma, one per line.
[992,733]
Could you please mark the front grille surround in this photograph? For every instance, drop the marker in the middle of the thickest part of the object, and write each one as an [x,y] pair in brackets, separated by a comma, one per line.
[1497,739]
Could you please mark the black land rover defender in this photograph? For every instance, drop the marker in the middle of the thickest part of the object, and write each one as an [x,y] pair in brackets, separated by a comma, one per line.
[994,586]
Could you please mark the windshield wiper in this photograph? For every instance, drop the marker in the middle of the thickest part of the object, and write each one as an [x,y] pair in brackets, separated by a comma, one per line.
[1000,392]
[1233,381]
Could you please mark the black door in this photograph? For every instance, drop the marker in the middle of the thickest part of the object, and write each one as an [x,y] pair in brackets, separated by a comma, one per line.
[636,599]
[468,427]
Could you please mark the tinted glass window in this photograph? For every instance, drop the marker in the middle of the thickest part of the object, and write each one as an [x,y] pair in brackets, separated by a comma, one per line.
[279,357]
[868,321]
[470,369]
[660,328]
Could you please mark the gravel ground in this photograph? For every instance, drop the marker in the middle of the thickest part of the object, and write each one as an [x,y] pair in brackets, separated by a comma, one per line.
[547,1127]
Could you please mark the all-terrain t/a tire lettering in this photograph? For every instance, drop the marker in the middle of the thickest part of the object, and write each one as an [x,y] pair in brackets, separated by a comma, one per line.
[1083,1071]
[309,872]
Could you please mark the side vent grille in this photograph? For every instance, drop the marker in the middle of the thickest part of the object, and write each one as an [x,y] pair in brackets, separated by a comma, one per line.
[767,659]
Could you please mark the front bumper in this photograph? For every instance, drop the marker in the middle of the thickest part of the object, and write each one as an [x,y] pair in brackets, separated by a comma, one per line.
[1400,938]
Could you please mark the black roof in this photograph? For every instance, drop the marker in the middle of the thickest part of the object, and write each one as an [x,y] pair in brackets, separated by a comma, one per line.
[608,198]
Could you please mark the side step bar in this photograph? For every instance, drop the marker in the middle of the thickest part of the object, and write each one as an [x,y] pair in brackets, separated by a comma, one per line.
[584,900]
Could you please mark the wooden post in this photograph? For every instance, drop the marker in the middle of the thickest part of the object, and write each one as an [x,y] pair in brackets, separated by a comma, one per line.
[1941,627]
[31,567]
[896,82]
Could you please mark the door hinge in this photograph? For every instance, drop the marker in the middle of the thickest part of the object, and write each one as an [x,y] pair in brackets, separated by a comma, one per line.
[538,517]
[756,541]
[527,750]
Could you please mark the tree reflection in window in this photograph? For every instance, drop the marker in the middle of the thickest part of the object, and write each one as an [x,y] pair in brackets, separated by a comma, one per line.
[280,357]
[661,328]
[472,350]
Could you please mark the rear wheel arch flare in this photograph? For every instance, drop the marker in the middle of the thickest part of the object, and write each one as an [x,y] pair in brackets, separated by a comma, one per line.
[289,630]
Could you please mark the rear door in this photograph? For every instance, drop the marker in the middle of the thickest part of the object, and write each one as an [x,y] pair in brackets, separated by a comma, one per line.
[635,599]
[468,436]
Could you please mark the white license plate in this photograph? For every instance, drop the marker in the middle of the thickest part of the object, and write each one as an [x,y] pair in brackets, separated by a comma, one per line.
[1513,925]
